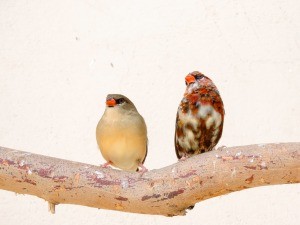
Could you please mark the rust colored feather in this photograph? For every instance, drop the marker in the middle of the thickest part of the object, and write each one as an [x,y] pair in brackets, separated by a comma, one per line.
[200,117]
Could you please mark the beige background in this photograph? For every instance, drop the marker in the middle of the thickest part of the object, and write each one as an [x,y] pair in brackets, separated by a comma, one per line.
[59,59]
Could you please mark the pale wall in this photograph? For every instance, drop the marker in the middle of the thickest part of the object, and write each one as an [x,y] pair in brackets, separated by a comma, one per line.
[59,59]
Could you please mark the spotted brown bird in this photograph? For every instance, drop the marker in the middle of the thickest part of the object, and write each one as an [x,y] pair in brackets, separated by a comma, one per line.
[122,134]
[200,117]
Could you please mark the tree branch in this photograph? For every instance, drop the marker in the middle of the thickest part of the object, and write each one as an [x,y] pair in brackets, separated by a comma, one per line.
[167,191]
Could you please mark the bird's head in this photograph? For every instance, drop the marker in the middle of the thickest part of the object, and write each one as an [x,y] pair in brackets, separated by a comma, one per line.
[118,101]
[194,77]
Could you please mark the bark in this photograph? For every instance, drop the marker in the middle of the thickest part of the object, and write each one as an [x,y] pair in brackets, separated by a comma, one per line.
[167,191]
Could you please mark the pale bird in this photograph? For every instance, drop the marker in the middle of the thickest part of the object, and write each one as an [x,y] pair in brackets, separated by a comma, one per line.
[122,134]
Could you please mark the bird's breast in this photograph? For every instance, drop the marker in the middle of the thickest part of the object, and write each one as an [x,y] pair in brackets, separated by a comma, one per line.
[193,128]
[122,141]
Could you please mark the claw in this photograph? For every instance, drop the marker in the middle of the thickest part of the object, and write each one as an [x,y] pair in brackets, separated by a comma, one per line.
[106,165]
[221,148]
[143,170]
[183,158]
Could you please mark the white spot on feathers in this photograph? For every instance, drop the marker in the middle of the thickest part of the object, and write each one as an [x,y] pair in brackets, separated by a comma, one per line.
[204,110]
[213,119]
[192,87]
[190,137]
[188,118]
[184,143]
[209,122]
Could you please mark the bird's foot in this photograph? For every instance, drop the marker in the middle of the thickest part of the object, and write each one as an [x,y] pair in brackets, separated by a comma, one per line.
[183,158]
[221,148]
[143,169]
[106,165]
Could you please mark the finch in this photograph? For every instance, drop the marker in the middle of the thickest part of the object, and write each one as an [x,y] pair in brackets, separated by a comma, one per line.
[200,117]
[122,134]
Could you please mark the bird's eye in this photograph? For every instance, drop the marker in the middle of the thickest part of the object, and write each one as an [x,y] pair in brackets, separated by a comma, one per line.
[198,77]
[120,101]
[186,83]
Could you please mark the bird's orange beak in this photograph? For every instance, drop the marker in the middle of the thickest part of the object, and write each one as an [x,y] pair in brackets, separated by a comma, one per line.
[190,79]
[111,102]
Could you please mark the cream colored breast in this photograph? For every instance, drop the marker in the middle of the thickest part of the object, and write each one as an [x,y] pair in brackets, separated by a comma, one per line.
[122,139]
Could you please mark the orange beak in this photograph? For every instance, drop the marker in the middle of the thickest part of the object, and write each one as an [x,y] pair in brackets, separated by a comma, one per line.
[190,79]
[111,102]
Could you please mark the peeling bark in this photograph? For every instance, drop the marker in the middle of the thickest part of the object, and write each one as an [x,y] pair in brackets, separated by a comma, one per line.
[168,191]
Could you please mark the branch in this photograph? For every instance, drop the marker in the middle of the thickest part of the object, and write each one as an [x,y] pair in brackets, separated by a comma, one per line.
[168,191]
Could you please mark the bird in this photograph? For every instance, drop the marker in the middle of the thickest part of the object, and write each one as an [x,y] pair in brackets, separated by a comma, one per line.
[200,117]
[121,134]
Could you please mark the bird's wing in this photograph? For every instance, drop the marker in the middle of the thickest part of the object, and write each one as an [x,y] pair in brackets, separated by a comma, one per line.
[146,152]
[175,143]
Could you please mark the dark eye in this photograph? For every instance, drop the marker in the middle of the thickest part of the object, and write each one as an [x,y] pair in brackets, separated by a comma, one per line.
[198,77]
[120,101]
[186,83]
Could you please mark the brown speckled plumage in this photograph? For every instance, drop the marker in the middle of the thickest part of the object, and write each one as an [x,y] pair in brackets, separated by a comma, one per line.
[200,117]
